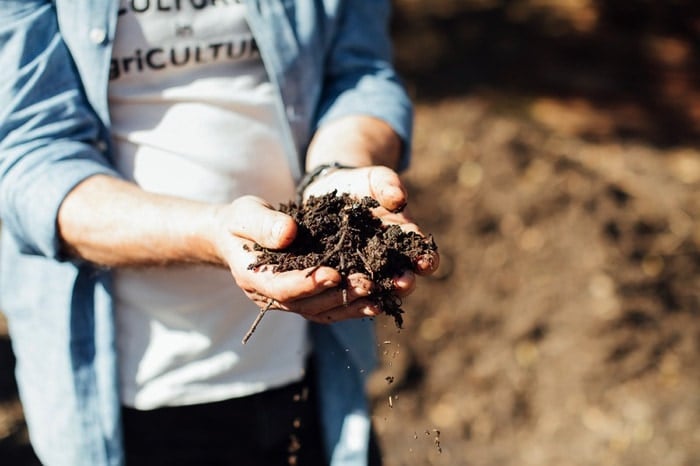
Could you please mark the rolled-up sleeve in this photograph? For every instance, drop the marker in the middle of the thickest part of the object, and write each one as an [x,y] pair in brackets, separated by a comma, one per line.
[359,74]
[49,135]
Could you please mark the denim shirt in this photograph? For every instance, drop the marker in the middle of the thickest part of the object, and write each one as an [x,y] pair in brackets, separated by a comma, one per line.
[329,58]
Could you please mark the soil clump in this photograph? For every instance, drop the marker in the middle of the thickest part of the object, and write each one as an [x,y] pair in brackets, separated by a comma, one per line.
[342,232]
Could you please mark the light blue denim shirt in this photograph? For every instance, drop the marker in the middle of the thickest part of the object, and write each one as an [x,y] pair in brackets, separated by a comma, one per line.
[330,58]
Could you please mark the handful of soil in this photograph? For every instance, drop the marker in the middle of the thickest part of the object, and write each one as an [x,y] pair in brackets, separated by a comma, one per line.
[341,232]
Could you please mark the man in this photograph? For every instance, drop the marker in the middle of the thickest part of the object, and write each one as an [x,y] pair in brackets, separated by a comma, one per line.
[143,144]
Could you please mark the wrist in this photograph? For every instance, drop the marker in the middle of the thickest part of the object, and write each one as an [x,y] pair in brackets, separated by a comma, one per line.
[207,239]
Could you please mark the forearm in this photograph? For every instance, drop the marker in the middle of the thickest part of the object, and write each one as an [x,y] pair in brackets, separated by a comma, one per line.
[355,141]
[112,222]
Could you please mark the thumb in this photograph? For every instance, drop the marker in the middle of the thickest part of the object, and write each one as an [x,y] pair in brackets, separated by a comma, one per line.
[254,219]
[378,182]
[386,187]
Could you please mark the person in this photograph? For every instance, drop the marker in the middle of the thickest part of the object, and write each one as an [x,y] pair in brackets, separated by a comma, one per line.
[143,146]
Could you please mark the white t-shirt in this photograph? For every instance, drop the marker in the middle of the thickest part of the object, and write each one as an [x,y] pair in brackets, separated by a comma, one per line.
[193,115]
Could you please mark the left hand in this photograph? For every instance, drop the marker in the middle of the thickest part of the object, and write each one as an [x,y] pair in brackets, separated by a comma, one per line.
[385,186]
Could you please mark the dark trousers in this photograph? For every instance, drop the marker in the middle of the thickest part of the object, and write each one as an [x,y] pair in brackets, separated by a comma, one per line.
[279,427]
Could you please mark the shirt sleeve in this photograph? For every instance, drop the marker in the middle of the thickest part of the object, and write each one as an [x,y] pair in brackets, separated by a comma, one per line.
[49,134]
[359,75]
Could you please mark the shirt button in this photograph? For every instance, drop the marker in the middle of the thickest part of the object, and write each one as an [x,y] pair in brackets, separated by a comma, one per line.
[101,146]
[97,35]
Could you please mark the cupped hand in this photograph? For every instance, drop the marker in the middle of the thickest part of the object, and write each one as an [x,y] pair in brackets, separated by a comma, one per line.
[385,186]
[316,293]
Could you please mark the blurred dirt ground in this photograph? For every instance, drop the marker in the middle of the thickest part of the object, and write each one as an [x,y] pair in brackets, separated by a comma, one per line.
[557,164]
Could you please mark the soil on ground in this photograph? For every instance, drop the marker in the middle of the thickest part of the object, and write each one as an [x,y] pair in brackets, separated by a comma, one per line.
[557,164]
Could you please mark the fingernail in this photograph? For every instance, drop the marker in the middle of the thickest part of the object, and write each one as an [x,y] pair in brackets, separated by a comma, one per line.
[325,278]
[405,280]
[279,229]
[391,192]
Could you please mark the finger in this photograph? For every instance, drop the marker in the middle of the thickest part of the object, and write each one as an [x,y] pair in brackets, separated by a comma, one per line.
[361,308]
[405,284]
[280,286]
[385,186]
[427,264]
[358,287]
[288,287]
[252,218]
[389,218]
